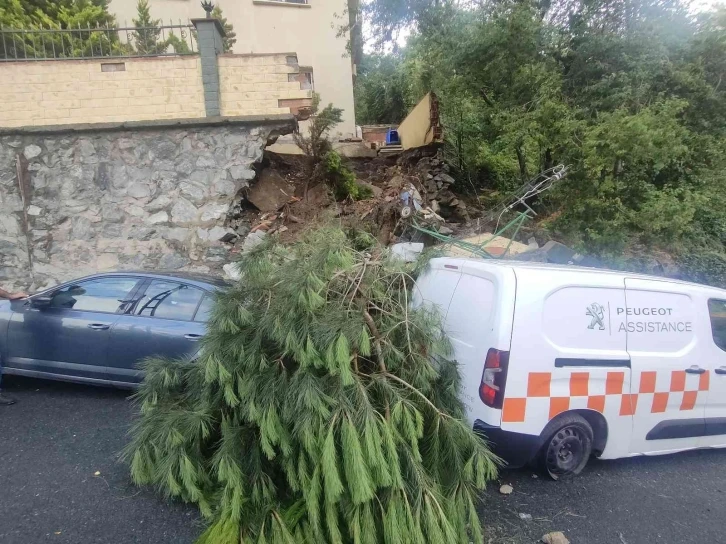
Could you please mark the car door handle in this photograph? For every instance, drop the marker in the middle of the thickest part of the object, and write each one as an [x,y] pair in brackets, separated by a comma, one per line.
[99,326]
[192,336]
[695,370]
[720,370]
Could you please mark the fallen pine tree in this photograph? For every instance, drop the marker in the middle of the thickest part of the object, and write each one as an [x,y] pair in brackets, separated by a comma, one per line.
[323,409]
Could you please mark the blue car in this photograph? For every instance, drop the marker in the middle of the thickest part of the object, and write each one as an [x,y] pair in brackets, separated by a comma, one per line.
[96,329]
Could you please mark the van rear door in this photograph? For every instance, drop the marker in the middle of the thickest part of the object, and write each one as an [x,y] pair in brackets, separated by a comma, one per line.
[479,319]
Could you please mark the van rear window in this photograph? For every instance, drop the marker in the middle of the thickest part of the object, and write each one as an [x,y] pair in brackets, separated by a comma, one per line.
[717,312]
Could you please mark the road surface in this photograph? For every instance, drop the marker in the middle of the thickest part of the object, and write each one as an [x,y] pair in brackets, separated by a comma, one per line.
[59,435]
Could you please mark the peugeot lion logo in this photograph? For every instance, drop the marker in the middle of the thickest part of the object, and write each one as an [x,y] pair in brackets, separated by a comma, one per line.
[597,312]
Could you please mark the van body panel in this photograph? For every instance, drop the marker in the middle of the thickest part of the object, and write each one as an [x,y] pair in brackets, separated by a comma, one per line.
[640,351]
[566,354]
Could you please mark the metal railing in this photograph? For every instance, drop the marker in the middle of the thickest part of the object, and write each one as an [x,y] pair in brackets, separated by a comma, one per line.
[99,42]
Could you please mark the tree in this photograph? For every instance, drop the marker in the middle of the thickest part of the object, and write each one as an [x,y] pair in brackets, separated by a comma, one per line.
[315,145]
[147,35]
[380,90]
[631,95]
[230,36]
[81,15]
[324,408]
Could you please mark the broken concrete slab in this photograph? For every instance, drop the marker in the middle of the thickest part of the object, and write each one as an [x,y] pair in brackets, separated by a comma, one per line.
[408,251]
[558,253]
[271,192]
[494,245]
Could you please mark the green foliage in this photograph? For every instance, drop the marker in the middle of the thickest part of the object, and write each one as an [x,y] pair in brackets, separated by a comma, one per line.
[315,145]
[342,179]
[230,37]
[631,95]
[65,14]
[147,34]
[323,408]
[380,91]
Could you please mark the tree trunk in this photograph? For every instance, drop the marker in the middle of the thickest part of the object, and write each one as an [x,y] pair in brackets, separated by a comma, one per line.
[522,163]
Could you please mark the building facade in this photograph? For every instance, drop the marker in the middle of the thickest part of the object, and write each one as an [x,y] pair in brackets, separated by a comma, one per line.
[263,26]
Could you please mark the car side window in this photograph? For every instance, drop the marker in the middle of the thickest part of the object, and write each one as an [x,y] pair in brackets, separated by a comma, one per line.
[105,295]
[205,308]
[169,300]
[717,312]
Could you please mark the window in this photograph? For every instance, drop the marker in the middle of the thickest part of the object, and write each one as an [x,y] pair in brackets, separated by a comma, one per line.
[717,311]
[102,295]
[204,309]
[169,300]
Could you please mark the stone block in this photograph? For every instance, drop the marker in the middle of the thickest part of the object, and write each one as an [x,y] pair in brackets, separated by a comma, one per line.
[183,212]
[242,173]
[81,229]
[178,234]
[159,217]
[193,192]
[31,151]
[173,261]
[138,190]
[213,211]
[159,203]
[270,192]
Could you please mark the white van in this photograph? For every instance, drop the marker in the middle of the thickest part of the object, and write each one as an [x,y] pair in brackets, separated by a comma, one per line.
[560,362]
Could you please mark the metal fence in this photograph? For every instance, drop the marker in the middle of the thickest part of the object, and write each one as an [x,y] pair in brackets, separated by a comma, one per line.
[87,43]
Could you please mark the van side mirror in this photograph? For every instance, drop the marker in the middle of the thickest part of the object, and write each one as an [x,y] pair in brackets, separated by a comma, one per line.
[41,301]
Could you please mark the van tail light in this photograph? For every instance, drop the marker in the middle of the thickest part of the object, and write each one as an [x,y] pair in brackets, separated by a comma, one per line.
[494,378]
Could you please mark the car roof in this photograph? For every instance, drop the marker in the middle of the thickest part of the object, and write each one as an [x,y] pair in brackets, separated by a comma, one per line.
[206,281]
[549,267]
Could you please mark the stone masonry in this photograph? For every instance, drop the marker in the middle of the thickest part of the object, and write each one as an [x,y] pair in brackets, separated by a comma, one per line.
[133,196]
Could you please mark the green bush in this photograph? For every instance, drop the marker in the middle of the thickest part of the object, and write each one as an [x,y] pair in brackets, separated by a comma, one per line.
[342,179]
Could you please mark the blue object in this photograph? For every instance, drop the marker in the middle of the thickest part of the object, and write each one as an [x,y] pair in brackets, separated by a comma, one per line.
[96,329]
[392,137]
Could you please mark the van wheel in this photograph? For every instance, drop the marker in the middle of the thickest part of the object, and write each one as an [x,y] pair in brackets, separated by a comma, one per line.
[567,446]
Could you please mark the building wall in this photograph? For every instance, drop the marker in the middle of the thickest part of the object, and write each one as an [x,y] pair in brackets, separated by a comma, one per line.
[258,84]
[149,195]
[80,91]
[61,92]
[264,26]
[419,127]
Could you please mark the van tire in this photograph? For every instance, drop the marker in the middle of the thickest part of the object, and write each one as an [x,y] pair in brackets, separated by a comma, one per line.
[567,446]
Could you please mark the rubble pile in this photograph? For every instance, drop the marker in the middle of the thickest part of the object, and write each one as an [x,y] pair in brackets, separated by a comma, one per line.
[285,198]
[437,183]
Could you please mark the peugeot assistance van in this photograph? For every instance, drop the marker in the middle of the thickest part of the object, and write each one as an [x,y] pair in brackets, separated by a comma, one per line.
[559,363]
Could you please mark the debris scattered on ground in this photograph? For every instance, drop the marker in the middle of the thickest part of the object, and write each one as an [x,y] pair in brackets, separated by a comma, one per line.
[253,239]
[506,489]
[496,246]
[525,517]
[97,473]
[231,272]
[556,537]
[408,251]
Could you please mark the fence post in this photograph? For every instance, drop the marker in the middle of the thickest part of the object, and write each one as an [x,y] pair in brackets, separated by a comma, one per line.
[209,38]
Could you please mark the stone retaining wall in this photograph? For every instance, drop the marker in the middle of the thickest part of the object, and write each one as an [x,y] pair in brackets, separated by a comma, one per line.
[77,200]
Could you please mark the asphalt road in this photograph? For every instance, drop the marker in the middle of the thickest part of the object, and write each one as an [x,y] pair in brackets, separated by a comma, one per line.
[59,435]
[52,442]
[645,500]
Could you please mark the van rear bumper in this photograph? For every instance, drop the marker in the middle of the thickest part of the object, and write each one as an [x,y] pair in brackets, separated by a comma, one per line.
[516,449]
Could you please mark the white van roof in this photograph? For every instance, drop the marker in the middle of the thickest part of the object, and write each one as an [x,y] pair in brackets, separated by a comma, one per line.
[548,268]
